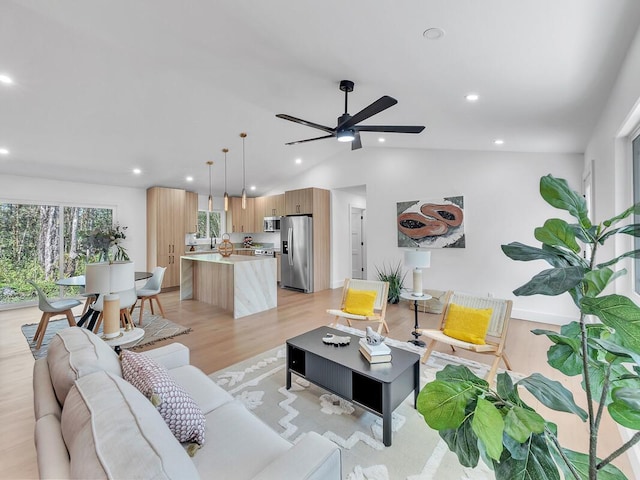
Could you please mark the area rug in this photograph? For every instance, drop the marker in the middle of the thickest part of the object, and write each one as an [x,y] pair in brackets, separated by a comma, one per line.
[155,327]
[417,452]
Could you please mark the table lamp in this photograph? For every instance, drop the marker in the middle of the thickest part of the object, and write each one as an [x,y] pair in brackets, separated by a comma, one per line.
[417,259]
[108,279]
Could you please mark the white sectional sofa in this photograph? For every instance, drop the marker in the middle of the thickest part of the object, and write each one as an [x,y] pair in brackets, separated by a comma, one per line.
[91,423]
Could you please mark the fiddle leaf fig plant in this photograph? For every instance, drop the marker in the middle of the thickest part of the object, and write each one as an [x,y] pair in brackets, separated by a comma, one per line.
[478,420]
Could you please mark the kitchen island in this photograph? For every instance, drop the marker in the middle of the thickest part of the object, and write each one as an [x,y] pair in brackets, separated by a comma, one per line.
[244,285]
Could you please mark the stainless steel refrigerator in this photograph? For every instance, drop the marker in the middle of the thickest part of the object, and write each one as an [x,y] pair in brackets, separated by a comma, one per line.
[296,234]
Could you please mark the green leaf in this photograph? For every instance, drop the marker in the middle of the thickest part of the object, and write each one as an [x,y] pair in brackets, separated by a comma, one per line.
[632,209]
[506,389]
[557,232]
[632,254]
[597,280]
[442,404]
[581,463]
[557,193]
[464,443]
[633,230]
[565,359]
[625,408]
[616,349]
[552,282]
[524,253]
[459,373]
[538,463]
[560,338]
[552,394]
[488,426]
[619,313]
[520,423]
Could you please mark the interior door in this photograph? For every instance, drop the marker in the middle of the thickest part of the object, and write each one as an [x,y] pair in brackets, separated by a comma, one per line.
[358,263]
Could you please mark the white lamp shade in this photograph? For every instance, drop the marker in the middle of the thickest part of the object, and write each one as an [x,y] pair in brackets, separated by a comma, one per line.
[97,278]
[122,276]
[103,278]
[417,258]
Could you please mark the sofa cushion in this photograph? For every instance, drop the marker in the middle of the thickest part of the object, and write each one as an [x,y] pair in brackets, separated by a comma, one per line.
[231,428]
[204,392]
[183,416]
[75,352]
[112,431]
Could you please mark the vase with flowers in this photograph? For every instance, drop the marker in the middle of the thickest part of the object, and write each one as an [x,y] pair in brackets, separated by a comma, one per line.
[106,244]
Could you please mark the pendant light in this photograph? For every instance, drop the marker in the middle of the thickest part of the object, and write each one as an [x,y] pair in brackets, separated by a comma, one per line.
[226,195]
[210,163]
[244,190]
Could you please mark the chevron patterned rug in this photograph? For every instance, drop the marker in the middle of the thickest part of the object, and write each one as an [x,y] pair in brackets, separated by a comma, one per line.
[417,452]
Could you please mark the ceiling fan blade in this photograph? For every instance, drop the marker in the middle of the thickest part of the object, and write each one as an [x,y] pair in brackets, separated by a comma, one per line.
[357,142]
[304,122]
[376,107]
[309,140]
[390,128]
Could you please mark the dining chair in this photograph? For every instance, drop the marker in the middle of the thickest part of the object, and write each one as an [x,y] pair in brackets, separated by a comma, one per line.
[50,309]
[128,299]
[150,291]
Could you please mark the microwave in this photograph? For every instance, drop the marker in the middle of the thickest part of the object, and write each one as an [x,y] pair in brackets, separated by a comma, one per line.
[271,224]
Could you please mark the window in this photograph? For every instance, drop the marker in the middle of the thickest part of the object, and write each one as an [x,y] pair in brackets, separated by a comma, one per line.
[635,148]
[209,224]
[43,243]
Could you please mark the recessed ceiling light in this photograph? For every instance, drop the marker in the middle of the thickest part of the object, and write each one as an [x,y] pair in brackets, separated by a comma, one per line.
[137,171]
[472,97]
[433,33]
[498,141]
[6,79]
[4,151]
[252,187]
[189,178]
[298,161]
[381,140]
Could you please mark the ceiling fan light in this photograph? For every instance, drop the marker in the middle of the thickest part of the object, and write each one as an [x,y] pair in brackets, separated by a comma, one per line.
[346,136]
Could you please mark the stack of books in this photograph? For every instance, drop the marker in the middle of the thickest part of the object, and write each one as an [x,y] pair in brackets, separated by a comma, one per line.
[375,353]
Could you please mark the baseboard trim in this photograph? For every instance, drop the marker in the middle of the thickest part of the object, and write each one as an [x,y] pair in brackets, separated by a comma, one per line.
[542,317]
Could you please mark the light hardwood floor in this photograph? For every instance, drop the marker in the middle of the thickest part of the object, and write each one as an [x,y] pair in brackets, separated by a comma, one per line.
[217,340]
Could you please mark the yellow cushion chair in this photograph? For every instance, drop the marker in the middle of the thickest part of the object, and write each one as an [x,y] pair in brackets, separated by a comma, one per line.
[477,324]
[363,300]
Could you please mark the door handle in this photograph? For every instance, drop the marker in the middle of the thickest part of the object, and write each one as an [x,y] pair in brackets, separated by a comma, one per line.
[290,244]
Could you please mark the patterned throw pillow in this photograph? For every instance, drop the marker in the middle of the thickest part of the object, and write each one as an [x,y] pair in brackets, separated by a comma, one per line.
[182,415]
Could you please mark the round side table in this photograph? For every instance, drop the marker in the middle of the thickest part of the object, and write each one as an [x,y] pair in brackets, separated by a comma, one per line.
[125,338]
[411,297]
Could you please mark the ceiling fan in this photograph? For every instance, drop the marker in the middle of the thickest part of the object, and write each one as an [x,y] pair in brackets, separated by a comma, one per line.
[347,129]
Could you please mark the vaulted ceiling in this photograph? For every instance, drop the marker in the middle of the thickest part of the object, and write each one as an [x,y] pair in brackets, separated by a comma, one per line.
[103,86]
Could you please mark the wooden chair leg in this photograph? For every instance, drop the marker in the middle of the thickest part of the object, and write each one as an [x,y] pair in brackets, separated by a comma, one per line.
[153,312]
[40,324]
[506,361]
[44,329]
[98,323]
[133,307]
[142,299]
[427,353]
[157,299]
[70,318]
[127,322]
[386,327]
[491,376]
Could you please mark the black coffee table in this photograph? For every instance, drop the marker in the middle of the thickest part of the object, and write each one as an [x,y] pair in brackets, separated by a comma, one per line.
[378,388]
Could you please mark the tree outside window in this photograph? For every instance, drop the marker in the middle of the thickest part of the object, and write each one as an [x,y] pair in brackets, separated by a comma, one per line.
[209,224]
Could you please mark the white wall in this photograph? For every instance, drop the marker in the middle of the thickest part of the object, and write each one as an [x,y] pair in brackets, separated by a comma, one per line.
[609,149]
[129,204]
[502,204]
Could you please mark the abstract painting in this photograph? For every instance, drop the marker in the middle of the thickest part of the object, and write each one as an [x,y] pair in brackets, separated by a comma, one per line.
[437,223]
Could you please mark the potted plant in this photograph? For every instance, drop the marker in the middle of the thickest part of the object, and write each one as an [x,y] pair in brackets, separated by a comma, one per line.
[477,420]
[395,277]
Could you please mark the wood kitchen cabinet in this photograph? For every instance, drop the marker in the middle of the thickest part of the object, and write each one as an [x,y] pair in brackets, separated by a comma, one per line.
[274,206]
[303,201]
[241,220]
[169,216]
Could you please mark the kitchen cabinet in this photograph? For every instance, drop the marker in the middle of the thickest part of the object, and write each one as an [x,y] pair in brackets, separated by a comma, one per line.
[258,213]
[167,223]
[299,202]
[248,253]
[191,212]
[241,220]
[274,206]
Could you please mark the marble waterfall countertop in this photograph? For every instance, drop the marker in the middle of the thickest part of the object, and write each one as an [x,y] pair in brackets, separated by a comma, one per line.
[241,284]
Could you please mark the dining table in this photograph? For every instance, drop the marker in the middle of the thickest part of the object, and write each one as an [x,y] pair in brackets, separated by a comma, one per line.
[91,315]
